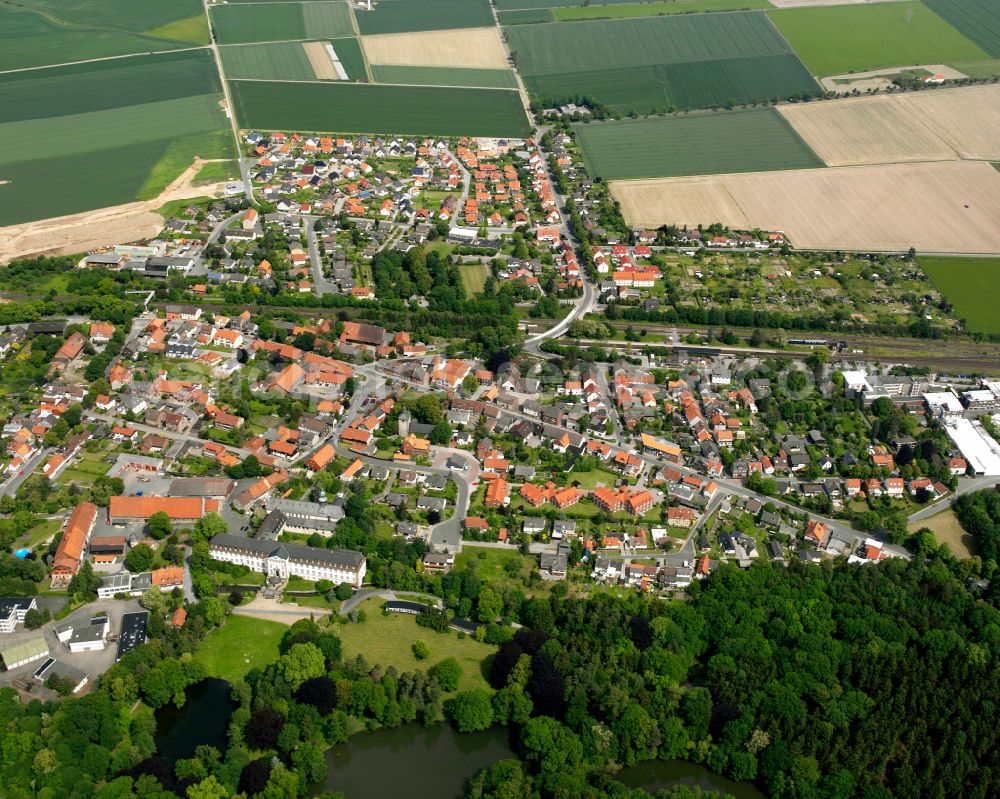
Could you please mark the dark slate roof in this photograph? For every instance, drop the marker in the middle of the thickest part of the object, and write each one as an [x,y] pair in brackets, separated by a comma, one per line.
[339,557]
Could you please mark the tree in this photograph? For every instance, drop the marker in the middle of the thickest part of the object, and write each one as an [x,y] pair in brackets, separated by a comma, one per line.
[154,601]
[253,778]
[300,663]
[318,692]
[344,591]
[139,558]
[209,526]
[164,682]
[470,385]
[489,607]
[159,525]
[263,728]
[35,618]
[441,434]
[447,672]
[470,711]
[420,650]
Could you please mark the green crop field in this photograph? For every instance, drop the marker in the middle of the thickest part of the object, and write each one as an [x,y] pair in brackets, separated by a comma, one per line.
[403,16]
[445,76]
[527,17]
[270,61]
[700,144]
[267,22]
[104,133]
[837,39]
[40,32]
[971,285]
[358,108]
[661,63]
[633,9]
[978,20]
[352,58]
[559,47]
[508,5]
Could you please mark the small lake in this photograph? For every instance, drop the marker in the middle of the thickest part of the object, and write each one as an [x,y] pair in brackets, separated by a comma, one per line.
[434,763]
[204,719]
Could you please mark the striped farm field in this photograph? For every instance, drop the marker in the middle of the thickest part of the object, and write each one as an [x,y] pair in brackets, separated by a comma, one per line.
[105,133]
[978,20]
[405,16]
[469,47]
[268,22]
[529,16]
[971,285]
[58,32]
[270,61]
[699,144]
[359,108]
[940,125]
[651,9]
[444,76]
[660,63]
[514,5]
[936,207]
[834,40]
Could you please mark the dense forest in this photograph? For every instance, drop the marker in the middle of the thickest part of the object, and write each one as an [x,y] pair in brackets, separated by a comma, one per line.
[838,682]
[979,514]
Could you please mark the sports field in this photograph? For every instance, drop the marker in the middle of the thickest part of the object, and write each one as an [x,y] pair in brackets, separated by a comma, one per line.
[403,16]
[39,32]
[444,76]
[978,20]
[971,285]
[357,108]
[267,22]
[946,206]
[837,39]
[468,47]
[105,133]
[700,144]
[659,63]
[945,124]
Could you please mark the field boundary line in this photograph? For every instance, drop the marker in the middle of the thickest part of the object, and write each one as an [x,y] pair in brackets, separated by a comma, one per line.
[107,58]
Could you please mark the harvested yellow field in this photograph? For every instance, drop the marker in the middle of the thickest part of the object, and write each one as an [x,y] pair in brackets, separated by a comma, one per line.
[320,61]
[945,206]
[936,125]
[948,530]
[968,118]
[466,47]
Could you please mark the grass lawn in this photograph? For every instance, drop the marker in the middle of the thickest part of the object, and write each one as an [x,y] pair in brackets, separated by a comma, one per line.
[35,535]
[491,566]
[837,39]
[589,480]
[474,278]
[241,644]
[216,172]
[948,530]
[388,639]
[971,285]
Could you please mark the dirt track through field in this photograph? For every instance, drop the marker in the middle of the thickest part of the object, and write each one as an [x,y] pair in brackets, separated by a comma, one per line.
[944,207]
[118,224]
[319,60]
[467,47]
[930,125]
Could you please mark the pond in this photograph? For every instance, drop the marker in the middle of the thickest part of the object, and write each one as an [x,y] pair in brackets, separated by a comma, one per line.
[436,761]
[204,719]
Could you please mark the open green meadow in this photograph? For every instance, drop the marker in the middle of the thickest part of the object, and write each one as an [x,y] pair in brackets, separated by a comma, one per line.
[270,61]
[267,22]
[358,108]
[661,63]
[104,133]
[978,20]
[474,278]
[387,640]
[971,285]
[513,5]
[444,76]
[241,644]
[404,16]
[837,39]
[756,140]
[40,32]
[633,9]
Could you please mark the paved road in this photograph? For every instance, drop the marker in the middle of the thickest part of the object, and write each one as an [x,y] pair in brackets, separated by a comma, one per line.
[320,282]
[379,593]
[965,486]
[13,483]
[145,428]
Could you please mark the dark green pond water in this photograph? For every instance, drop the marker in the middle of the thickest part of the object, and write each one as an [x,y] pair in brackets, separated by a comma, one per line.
[433,763]
[204,719]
